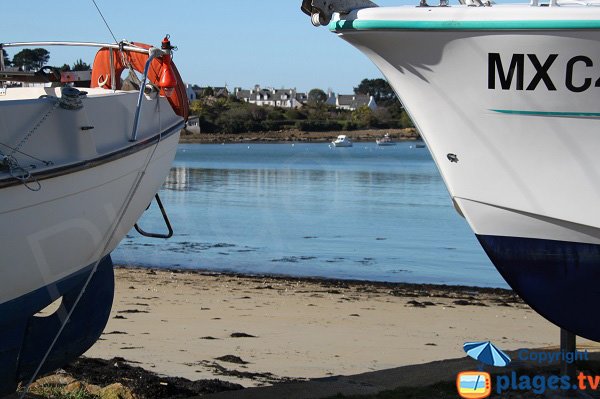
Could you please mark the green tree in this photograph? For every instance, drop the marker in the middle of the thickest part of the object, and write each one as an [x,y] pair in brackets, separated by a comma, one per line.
[294,114]
[208,92]
[235,120]
[79,65]
[29,59]
[316,97]
[378,88]
[383,118]
[259,114]
[364,117]
[275,114]
[405,120]
[396,110]
[6,59]
[196,107]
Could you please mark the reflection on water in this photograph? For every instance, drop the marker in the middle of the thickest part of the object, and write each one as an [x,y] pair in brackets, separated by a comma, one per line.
[310,210]
[191,179]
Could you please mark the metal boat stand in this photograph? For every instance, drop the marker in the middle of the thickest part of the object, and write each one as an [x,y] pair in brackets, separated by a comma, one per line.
[25,337]
[568,343]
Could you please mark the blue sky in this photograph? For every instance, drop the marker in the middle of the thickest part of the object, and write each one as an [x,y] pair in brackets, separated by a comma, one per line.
[233,42]
[238,42]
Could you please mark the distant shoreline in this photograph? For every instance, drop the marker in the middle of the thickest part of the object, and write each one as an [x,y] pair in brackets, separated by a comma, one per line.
[409,134]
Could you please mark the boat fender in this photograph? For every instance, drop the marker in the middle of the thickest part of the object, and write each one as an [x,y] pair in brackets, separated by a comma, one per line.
[167,81]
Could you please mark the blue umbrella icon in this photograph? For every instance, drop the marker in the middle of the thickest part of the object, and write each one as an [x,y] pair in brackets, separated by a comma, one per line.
[486,353]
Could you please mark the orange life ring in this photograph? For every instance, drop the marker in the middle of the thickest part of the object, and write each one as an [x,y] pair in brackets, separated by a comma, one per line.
[101,74]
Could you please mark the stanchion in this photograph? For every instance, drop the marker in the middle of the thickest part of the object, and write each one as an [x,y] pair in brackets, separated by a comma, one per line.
[568,344]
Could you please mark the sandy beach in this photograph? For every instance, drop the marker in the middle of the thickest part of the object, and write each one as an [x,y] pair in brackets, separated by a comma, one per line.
[263,330]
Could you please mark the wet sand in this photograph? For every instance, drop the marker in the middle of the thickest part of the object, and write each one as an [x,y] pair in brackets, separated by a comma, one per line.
[263,330]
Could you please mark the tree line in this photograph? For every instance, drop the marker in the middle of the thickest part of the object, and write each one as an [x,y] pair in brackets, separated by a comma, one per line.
[232,115]
[35,59]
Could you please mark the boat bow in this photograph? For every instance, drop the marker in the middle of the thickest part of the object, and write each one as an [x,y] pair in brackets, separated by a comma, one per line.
[504,98]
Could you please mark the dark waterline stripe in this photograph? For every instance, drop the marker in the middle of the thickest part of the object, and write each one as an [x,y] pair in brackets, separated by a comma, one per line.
[65,170]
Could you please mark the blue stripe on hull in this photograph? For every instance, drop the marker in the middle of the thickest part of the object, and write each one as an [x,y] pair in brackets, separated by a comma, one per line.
[559,280]
[25,338]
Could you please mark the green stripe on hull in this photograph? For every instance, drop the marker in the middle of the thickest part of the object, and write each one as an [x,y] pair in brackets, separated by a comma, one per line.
[552,114]
[345,25]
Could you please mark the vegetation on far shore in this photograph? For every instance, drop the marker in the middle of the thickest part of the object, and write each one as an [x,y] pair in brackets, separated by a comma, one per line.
[231,115]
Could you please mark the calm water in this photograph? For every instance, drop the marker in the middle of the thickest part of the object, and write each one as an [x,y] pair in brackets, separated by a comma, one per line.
[367,212]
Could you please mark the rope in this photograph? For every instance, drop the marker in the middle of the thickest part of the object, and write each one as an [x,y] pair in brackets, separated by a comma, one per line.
[70,100]
[12,163]
[18,172]
[36,126]
[105,23]
[121,214]
[46,163]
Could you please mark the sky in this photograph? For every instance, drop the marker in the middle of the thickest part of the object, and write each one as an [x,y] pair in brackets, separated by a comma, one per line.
[238,43]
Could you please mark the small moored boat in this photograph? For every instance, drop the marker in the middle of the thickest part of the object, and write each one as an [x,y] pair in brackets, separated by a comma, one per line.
[385,141]
[342,141]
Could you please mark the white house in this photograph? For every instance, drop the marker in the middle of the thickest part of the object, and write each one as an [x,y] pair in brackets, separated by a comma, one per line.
[351,101]
[284,98]
[193,124]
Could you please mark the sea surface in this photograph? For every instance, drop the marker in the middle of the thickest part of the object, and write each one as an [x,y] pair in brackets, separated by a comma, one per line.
[366,212]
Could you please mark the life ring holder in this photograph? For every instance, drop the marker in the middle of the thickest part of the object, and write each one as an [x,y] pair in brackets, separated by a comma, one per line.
[102,83]
[108,60]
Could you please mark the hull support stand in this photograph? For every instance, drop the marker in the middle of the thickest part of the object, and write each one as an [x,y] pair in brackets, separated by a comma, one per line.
[568,344]
[25,337]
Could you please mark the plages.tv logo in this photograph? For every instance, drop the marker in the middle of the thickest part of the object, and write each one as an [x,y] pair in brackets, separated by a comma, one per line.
[478,384]
[474,384]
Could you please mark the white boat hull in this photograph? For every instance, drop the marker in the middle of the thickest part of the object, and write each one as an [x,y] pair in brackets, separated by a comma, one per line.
[506,100]
[342,145]
[98,185]
[89,186]
[442,78]
[53,233]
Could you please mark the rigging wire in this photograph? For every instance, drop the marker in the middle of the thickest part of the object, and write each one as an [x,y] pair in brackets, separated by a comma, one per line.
[105,23]
[47,163]
[114,228]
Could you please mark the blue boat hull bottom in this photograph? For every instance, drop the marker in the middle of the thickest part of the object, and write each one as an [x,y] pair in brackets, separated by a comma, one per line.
[559,280]
[25,338]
